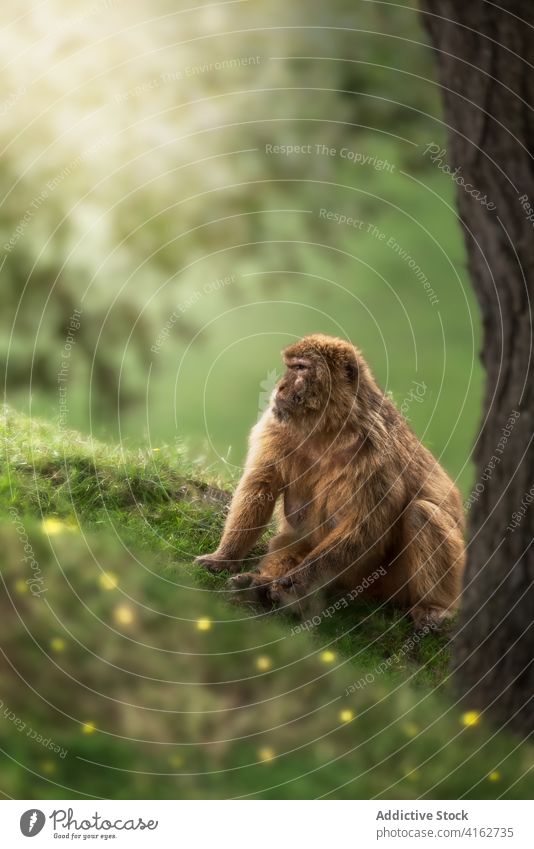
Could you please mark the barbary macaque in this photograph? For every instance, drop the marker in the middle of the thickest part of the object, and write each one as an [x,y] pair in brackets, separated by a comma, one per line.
[355,490]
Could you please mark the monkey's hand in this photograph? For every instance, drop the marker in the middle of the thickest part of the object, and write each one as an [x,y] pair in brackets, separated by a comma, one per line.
[216,563]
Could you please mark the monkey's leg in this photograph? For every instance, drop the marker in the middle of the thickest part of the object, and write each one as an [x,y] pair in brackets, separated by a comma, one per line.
[346,554]
[284,555]
[431,563]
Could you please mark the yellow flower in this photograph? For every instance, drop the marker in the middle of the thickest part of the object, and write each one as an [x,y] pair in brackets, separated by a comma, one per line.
[494,776]
[108,580]
[123,615]
[411,775]
[48,767]
[155,450]
[263,663]
[21,586]
[176,761]
[266,754]
[57,644]
[88,728]
[53,526]
[346,715]
[327,656]
[471,717]
[411,729]
[203,624]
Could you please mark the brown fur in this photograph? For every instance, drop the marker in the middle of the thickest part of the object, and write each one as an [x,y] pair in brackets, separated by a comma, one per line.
[356,490]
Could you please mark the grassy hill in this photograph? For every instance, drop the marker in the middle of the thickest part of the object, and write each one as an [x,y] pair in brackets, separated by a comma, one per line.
[128,674]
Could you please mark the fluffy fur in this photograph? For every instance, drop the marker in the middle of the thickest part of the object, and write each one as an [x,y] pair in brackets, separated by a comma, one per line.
[355,489]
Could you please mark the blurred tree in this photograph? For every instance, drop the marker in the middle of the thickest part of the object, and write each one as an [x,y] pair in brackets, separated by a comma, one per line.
[134,163]
[484,53]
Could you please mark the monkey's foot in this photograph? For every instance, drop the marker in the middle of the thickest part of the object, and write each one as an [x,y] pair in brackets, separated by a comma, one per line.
[287,583]
[287,593]
[251,587]
[429,618]
[215,565]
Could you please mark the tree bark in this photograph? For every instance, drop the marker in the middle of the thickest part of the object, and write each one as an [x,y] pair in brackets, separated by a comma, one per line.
[485,57]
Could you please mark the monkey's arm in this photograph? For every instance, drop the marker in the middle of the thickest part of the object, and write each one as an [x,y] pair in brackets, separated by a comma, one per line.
[250,511]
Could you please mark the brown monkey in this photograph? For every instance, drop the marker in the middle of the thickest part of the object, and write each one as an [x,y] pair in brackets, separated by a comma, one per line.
[358,491]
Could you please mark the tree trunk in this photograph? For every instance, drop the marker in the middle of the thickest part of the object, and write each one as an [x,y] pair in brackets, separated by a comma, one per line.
[484,53]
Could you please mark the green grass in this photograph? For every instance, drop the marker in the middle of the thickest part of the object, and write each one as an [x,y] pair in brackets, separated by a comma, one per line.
[133,661]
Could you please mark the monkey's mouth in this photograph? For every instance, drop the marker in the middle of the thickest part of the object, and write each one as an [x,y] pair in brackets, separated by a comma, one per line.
[281,412]
[285,408]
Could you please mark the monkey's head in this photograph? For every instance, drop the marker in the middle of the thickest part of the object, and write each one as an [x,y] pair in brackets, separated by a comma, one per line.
[321,379]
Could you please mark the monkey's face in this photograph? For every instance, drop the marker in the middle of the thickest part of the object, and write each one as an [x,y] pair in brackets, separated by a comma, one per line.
[302,390]
[320,386]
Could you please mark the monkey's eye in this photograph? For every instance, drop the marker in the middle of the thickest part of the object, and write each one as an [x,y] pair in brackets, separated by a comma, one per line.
[299,367]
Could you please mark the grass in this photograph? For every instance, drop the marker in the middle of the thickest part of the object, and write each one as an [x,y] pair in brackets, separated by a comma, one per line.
[122,654]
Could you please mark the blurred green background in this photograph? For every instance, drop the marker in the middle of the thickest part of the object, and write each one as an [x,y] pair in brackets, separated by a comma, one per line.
[176,188]
[143,187]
